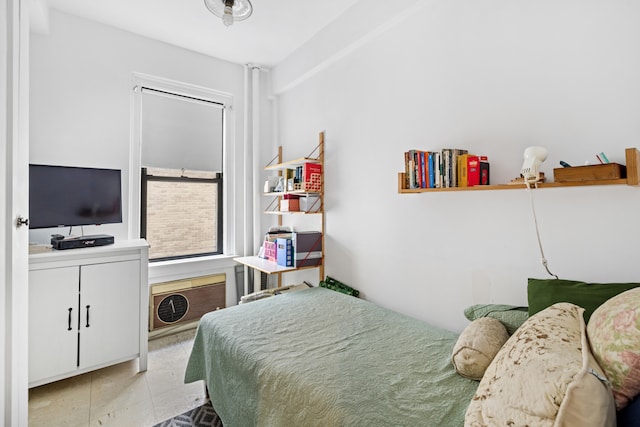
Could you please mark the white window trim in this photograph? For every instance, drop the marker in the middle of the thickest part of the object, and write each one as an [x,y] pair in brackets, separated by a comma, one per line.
[186,89]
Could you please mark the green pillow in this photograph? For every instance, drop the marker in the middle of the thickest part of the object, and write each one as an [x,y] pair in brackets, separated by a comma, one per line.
[543,293]
[509,315]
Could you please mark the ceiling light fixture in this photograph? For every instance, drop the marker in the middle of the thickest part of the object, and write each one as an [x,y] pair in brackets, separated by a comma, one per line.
[230,10]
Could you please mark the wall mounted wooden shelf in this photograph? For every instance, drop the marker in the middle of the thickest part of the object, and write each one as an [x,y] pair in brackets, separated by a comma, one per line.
[270,267]
[292,213]
[632,156]
[291,164]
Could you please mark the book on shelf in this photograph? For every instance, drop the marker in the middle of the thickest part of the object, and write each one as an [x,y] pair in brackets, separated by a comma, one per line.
[312,177]
[284,252]
[463,171]
[457,152]
[444,168]
[272,236]
[484,170]
[431,159]
[438,169]
[298,175]
[419,169]
[450,166]
[293,249]
[473,171]
[410,169]
[424,169]
[269,251]
[407,170]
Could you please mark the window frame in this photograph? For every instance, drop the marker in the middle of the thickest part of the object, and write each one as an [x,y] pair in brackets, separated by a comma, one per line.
[218,180]
[230,169]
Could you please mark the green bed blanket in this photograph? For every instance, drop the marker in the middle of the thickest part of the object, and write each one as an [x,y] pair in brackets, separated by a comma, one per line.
[321,358]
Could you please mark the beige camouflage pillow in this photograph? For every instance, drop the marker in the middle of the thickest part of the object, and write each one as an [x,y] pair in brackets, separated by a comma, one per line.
[544,376]
[614,332]
[477,345]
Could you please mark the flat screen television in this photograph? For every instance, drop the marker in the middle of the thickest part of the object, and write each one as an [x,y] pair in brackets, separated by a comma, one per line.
[64,196]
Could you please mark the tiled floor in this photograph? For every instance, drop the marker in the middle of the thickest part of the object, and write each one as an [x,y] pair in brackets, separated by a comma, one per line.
[119,395]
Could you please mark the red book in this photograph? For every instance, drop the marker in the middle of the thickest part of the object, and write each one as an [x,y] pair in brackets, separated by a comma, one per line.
[484,170]
[312,176]
[473,171]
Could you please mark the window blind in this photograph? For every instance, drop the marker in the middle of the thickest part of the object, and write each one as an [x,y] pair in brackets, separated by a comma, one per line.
[180,132]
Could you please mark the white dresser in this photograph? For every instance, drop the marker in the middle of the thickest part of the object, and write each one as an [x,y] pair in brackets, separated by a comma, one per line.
[88,308]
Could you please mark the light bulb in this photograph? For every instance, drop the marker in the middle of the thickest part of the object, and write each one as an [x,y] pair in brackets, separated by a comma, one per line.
[227,17]
[230,11]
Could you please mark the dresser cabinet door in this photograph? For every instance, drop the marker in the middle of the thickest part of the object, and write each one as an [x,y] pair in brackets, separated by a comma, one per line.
[53,322]
[109,312]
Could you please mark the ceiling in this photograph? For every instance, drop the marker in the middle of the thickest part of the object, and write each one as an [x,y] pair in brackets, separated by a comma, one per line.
[275,30]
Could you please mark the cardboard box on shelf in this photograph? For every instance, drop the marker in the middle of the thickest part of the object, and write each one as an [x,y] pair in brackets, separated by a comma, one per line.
[289,205]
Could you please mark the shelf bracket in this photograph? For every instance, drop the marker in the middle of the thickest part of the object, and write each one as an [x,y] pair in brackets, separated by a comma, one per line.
[274,206]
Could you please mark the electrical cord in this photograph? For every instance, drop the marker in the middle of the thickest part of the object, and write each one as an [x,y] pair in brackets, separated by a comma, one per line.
[535,221]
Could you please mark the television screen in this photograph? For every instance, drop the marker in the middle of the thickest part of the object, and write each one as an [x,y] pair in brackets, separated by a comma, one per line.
[67,196]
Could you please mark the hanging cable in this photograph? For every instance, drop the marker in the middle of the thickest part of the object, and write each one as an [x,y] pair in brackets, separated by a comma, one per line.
[535,221]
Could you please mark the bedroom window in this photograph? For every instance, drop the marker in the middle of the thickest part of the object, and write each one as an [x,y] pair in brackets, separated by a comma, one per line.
[181,213]
[181,175]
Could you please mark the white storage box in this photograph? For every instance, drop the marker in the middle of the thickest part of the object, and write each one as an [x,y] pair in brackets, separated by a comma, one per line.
[310,204]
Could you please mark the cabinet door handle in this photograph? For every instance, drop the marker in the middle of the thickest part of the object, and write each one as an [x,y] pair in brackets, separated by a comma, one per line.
[87,325]
[70,310]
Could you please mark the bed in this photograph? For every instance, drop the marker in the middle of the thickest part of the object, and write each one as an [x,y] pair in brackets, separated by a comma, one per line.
[319,357]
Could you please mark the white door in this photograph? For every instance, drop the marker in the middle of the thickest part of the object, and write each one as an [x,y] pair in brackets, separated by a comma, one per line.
[14,149]
[53,322]
[109,312]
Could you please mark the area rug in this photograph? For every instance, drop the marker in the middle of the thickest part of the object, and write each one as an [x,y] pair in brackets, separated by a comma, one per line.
[202,416]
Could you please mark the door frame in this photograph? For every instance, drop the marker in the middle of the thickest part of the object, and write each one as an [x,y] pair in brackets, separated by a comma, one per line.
[14,156]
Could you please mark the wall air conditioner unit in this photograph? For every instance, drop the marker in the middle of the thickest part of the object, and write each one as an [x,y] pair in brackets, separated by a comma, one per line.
[183,302]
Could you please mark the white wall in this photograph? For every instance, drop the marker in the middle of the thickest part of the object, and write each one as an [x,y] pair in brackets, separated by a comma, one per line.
[81,86]
[81,81]
[493,77]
